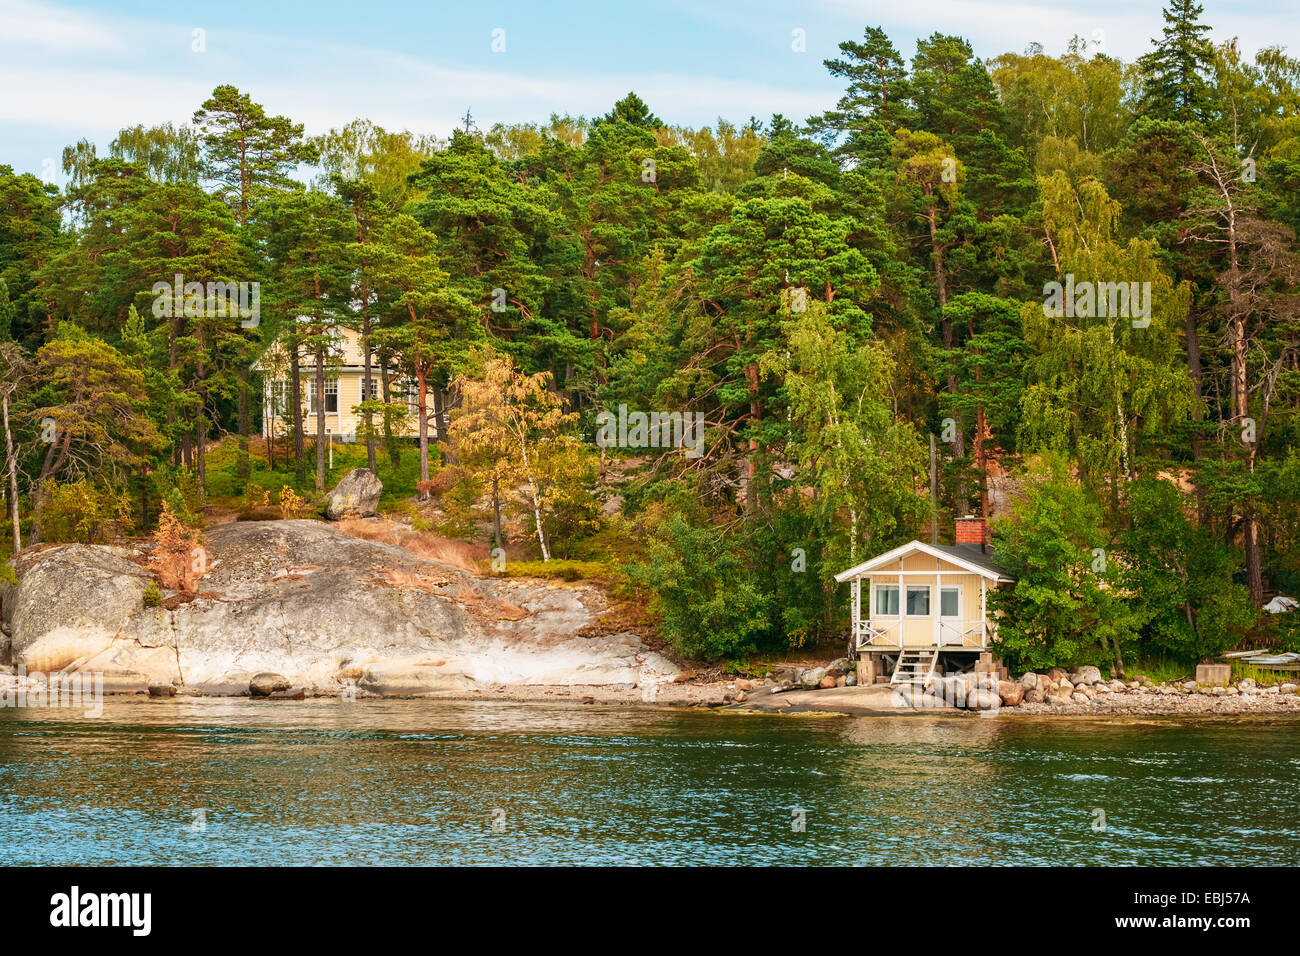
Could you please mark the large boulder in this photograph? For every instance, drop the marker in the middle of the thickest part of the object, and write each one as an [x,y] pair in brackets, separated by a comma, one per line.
[70,603]
[983,699]
[1011,692]
[302,600]
[355,496]
[1085,675]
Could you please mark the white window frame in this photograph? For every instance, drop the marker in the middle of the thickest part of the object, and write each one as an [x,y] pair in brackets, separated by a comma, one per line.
[331,390]
[929,590]
[875,607]
[960,602]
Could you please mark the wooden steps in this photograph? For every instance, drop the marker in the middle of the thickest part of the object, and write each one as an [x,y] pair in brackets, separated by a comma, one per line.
[915,666]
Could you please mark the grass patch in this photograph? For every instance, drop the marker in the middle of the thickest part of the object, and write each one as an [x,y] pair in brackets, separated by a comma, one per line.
[1262,675]
[563,570]
[224,487]
[1159,669]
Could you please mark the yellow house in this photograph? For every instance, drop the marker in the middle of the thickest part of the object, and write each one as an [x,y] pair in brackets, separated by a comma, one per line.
[344,380]
[925,604]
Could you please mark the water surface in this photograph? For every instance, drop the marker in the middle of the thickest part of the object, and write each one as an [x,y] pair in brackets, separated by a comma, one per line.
[238,782]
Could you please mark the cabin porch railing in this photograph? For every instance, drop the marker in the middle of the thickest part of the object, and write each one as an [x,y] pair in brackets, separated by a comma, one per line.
[885,633]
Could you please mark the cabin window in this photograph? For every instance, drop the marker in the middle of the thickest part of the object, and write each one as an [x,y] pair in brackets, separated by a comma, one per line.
[887,600]
[918,600]
[331,396]
[950,602]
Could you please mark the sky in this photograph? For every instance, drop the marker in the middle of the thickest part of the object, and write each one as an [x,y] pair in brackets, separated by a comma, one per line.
[85,68]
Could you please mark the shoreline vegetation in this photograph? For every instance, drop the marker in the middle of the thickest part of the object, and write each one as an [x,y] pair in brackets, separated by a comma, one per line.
[604,398]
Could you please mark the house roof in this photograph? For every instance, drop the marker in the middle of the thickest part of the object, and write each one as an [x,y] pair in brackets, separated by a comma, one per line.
[971,558]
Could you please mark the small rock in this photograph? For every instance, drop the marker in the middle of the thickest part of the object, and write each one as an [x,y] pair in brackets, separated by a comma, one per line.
[1246,683]
[1080,698]
[1057,674]
[1233,692]
[295,693]
[850,680]
[740,697]
[1029,681]
[1065,687]
[827,682]
[157,689]
[1057,701]
[1033,696]
[1103,688]
[266,684]
[1218,691]
[743,684]
[1287,689]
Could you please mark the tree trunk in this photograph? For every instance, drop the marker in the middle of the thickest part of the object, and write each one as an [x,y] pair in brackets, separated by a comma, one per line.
[244,468]
[537,505]
[368,416]
[941,283]
[496,512]
[12,467]
[320,419]
[295,403]
[390,440]
[422,408]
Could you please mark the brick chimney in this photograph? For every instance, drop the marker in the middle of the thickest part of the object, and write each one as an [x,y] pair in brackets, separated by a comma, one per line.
[971,532]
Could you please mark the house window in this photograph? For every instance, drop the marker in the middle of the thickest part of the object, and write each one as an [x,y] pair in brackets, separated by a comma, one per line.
[376,387]
[277,397]
[331,396]
[950,602]
[918,600]
[887,600]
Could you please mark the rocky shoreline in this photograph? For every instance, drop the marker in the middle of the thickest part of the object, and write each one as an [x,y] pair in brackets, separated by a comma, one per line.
[291,610]
[1082,693]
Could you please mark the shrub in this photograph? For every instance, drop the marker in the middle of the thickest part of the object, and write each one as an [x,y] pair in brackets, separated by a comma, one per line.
[178,558]
[710,604]
[293,505]
[152,596]
[79,512]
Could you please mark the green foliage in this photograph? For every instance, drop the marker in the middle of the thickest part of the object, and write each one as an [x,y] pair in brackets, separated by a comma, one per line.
[1180,577]
[1066,606]
[152,596]
[710,604]
[78,511]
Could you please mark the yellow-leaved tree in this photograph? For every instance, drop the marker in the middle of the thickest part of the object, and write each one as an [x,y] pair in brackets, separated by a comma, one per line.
[508,423]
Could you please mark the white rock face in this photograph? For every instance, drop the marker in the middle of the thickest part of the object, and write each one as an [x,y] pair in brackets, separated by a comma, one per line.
[300,599]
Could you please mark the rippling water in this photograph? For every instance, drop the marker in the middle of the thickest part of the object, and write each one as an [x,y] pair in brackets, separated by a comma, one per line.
[392,782]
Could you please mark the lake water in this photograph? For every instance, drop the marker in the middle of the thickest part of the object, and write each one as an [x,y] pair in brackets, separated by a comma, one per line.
[212,781]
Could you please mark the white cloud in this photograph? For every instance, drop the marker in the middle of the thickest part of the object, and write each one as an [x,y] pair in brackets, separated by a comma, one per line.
[48,27]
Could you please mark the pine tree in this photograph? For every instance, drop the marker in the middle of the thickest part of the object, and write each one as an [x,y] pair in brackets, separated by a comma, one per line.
[1174,73]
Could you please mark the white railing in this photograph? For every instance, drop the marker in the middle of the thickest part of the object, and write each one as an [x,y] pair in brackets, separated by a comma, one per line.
[885,632]
[878,632]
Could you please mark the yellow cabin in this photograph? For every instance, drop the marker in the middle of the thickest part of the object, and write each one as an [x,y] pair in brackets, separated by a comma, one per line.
[921,605]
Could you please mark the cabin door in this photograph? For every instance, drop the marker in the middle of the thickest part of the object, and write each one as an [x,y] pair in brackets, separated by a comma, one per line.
[950,622]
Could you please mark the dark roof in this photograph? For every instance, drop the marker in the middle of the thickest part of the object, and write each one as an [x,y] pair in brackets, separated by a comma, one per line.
[972,553]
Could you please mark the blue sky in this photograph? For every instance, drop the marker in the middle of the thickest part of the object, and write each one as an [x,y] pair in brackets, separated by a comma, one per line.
[85,68]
